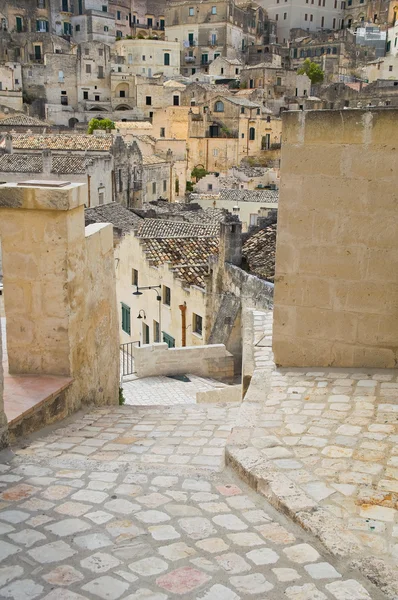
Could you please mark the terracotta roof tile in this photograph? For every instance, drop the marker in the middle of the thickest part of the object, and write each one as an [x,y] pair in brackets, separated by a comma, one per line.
[114,213]
[160,228]
[259,252]
[62,141]
[23,121]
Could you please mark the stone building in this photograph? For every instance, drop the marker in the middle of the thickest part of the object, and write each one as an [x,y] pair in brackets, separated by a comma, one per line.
[206,30]
[60,304]
[11,85]
[336,282]
[314,16]
[229,129]
[93,21]
[248,205]
[96,172]
[150,57]
[225,68]
[170,256]
[25,16]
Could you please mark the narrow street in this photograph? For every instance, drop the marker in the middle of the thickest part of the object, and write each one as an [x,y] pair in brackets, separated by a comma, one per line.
[136,503]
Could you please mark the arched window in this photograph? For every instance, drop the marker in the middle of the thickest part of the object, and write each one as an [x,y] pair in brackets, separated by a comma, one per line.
[252,133]
[166,59]
[334,50]
[328,51]
[219,106]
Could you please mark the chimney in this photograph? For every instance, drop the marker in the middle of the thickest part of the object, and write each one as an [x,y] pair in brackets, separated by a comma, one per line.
[231,242]
[47,162]
[8,140]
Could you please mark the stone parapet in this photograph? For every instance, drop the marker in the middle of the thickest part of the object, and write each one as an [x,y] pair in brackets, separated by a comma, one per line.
[205,361]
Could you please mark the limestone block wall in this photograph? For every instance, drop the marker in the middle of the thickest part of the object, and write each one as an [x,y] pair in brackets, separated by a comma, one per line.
[60,291]
[336,284]
[3,418]
[206,361]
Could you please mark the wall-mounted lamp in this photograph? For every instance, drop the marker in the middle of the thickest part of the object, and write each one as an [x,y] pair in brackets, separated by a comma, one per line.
[140,316]
[148,287]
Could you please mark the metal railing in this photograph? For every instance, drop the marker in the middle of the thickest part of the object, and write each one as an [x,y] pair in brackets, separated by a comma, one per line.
[127,359]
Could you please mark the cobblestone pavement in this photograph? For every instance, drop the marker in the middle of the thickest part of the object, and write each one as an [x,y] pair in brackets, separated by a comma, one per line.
[134,504]
[165,391]
[334,435]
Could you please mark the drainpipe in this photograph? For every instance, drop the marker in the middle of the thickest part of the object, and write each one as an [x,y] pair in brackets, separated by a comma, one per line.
[183,309]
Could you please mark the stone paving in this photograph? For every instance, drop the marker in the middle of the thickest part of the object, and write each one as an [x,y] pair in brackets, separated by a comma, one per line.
[165,391]
[326,442]
[135,504]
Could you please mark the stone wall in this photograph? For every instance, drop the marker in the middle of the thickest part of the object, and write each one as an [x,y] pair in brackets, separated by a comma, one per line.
[3,418]
[336,289]
[60,291]
[205,361]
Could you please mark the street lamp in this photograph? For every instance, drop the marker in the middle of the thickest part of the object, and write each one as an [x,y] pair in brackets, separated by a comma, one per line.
[157,289]
[140,315]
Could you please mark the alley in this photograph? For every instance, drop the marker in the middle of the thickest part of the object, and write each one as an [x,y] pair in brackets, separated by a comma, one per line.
[135,503]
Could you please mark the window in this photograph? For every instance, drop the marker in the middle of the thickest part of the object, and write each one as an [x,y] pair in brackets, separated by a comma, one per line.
[266,141]
[176,100]
[197,324]
[215,152]
[165,185]
[390,68]
[119,34]
[252,134]
[322,21]
[258,111]
[96,98]
[37,52]
[85,95]
[120,180]
[77,28]
[311,17]
[284,16]
[122,94]
[213,39]
[166,59]
[305,17]
[65,5]
[100,72]
[150,22]
[204,59]
[334,23]
[130,59]
[106,29]
[170,341]
[100,197]
[209,187]
[19,24]
[214,10]
[162,24]
[166,295]
[276,17]
[104,8]
[134,277]
[148,100]
[145,333]
[219,106]
[60,76]
[88,68]
[126,318]
[242,110]
[191,11]
[156,332]
[42,26]
[67,29]
[41,3]
[118,15]
[162,132]
[64,99]
[100,52]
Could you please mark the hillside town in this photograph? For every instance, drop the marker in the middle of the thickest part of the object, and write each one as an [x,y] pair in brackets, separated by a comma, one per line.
[198,300]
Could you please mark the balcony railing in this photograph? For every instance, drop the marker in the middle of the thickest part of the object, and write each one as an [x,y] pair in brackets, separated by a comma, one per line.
[190,59]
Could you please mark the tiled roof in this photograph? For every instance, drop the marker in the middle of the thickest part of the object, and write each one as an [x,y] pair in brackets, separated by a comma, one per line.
[259,252]
[160,228]
[147,139]
[250,195]
[21,163]
[62,164]
[72,164]
[62,141]
[133,125]
[185,212]
[265,196]
[114,213]
[153,160]
[188,256]
[23,121]
[242,102]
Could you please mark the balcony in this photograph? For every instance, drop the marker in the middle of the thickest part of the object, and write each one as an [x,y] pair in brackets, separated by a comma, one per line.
[35,59]
[190,59]
[189,43]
